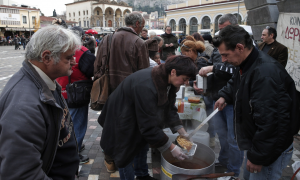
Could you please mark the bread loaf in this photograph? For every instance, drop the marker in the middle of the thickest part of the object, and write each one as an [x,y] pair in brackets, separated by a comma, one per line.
[194,100]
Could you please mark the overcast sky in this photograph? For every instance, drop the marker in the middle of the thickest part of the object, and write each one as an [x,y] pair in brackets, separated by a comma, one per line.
[47,6]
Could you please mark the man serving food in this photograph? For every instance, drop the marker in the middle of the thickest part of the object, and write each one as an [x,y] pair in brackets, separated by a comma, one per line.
[141,106]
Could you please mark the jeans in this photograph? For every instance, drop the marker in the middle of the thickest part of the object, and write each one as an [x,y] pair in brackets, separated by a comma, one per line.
[24,45]
[209,109]
[273,171]
[80,121]
[230,155]
[137,167]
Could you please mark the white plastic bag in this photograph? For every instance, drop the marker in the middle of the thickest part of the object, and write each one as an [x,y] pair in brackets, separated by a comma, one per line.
[296,166]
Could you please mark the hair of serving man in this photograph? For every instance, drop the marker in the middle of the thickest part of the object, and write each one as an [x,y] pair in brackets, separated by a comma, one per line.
[231,35]
[228,17]
[53,38]
[132,18]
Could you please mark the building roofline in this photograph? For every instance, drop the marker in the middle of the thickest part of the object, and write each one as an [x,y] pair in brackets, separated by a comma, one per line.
[111,4]
[78,2]
[203,5]
[17,7]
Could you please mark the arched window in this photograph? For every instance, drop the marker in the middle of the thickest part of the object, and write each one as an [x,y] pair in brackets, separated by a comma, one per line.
[193,25]
[98,13]
[74,14]
[217,23]
[69,14]
[239,18]
[173,24]
[83,12]
[79,13]
[98,23]
[182,25]
[205,23]
[87,12]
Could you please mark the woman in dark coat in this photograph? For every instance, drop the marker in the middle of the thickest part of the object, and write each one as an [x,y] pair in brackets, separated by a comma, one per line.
[141,106]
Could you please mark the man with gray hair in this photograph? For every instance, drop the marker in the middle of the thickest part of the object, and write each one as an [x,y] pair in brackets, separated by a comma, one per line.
[36,130]
[227,19]
[128,54]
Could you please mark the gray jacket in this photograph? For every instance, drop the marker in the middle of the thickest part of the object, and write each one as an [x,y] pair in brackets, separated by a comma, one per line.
[30,122]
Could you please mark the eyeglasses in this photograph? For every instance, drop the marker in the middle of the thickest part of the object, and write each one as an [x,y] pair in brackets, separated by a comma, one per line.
[185,46]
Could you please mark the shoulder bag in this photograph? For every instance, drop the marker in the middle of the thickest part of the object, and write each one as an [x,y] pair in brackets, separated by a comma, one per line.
[78,93]
[101,90]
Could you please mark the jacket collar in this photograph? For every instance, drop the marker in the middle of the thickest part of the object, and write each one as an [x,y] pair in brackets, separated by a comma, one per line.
[247,63]
[128,29]
[263,44]
[51,84]
[160,80]
[45,93]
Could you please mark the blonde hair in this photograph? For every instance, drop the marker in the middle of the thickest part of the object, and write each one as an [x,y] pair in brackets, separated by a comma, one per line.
[191,44]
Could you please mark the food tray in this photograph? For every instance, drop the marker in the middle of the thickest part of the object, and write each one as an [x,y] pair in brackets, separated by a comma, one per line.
[192,151]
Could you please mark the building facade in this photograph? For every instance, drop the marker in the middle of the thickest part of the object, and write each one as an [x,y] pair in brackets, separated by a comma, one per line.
[18,20]
[97,13]
[202,15]
[47,21]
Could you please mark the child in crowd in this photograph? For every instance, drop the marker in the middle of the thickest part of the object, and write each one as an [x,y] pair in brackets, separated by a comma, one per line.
[154,58]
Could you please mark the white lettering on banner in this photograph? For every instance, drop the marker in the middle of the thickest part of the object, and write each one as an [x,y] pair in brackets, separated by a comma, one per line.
[288,31]
[9,17]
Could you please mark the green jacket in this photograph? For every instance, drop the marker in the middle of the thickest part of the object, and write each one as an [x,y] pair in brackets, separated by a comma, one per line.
[168,51]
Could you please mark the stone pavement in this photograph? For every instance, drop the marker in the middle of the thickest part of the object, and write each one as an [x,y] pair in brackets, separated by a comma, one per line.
[96,169]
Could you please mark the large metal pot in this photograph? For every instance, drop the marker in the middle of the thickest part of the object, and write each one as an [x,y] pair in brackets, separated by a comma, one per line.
[204,156]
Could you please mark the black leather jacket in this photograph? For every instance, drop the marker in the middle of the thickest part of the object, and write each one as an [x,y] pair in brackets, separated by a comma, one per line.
[265,107]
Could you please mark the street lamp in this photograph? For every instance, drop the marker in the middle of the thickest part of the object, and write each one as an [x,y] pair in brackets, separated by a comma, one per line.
[29,24]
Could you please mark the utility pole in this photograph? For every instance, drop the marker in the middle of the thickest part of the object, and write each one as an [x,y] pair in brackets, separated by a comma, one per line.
[238,12]
[29,23]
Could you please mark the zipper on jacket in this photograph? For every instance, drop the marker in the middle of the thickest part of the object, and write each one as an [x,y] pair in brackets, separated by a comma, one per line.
[235,114]
[250,107]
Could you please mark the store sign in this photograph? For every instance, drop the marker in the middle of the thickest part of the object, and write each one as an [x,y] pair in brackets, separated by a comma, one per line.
[288,31]
[9,17]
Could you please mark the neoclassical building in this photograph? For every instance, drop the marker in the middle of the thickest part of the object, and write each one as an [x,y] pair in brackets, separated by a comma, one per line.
[97,13]
[202,15]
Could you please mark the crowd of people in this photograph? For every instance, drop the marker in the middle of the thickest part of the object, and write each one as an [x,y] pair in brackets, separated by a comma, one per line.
[43,121]
[16,40]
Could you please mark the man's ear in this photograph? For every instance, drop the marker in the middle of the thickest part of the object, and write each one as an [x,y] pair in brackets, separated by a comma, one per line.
[137,24]
[173,72]
[240,47]
[46,57]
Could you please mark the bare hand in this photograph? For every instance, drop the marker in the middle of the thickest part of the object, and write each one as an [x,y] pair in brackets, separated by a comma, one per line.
[171,44]
[167,45]
[198,90]
[220,104]
[253,168]
[203,71]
